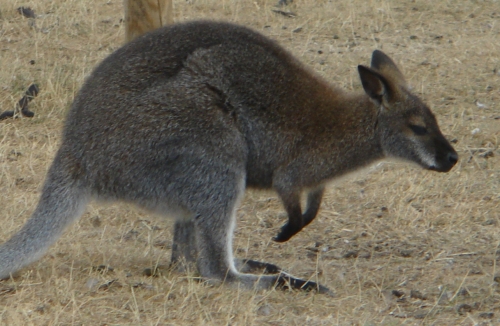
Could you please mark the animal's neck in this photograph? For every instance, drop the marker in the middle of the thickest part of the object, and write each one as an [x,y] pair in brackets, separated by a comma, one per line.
[343,137]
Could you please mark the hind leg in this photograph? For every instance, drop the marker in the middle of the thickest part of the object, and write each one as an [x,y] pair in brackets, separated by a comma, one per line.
[215,263]
[184,252]
[214,225]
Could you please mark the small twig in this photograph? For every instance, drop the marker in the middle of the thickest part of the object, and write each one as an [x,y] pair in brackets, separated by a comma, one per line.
[30,94]
[452,256]
[465,254]
[446,258]
[459,288]
[288,14]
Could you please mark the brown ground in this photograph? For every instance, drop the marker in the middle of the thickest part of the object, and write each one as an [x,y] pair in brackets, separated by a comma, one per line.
[397,244]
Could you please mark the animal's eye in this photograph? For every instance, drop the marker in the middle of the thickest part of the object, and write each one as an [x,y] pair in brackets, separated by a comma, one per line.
[418,130]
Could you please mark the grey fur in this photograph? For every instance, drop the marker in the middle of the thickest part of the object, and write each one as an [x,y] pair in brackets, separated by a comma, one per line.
[182,120]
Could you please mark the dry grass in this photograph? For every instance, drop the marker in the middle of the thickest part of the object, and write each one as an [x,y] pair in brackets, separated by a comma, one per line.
[395,228]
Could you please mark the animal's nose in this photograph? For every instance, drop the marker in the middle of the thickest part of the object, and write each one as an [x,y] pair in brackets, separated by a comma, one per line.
[453,158]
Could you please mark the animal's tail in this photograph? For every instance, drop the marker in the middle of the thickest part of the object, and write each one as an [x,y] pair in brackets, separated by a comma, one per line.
[61,203]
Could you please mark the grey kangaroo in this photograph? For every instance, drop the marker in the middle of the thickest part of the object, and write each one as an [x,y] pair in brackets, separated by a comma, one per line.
[181,120]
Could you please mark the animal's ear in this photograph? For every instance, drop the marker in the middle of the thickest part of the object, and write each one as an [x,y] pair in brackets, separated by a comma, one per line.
[386,67]
[375,85]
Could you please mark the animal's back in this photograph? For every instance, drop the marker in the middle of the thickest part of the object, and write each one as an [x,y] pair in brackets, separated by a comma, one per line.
[184,91]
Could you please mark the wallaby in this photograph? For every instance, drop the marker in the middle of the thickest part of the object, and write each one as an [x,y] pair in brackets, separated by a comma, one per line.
[142,16]
[181,120]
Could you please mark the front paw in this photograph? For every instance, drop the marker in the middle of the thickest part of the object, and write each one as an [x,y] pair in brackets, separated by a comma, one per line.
[287,231]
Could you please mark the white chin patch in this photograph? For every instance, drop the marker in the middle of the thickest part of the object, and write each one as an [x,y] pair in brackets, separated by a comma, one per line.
[427,158]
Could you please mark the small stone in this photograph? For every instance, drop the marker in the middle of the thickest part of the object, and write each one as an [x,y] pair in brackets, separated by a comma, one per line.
[351,254]
[481,105]
[41,308]
[475,131]
[397,293]
[475,271]
[487,154]
[264,310]
[406,253]
[103,268]
[130,235]
[464,308]
[415,294]
[26,12]
[92,283]
[143,285]
[463,292]
[402,315]
[365,255]
[486,315]
[421,315]
[150,272]
[444,298]
[489,222]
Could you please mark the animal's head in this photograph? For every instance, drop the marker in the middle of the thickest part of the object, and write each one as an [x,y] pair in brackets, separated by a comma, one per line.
[406,126]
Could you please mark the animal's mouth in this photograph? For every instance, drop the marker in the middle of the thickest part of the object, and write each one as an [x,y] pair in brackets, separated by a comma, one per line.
[443,167]
[445,164]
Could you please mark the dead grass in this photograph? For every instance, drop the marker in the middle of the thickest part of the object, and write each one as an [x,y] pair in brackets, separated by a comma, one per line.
[381,235]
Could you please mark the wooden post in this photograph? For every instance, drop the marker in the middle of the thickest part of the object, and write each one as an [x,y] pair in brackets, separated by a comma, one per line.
[142,16]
